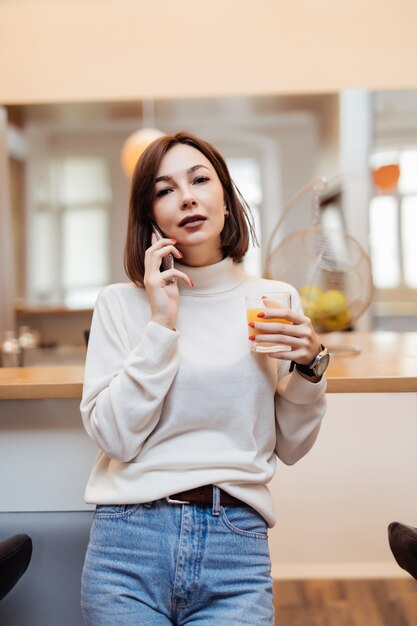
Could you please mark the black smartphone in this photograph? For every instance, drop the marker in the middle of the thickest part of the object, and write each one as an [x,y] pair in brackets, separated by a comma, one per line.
[168,260]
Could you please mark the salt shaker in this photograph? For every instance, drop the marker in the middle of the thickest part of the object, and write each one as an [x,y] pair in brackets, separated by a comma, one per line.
[10,350]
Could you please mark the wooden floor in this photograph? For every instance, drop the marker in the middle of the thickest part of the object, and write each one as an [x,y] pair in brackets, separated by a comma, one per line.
[385,602]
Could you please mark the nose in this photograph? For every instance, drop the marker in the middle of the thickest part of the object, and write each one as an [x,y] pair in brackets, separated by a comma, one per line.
[188,202]
[188,199]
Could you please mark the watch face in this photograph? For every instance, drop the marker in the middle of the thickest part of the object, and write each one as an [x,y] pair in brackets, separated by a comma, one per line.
[322,364]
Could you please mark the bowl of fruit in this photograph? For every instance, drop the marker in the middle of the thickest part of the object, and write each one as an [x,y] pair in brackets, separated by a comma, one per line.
[328,309]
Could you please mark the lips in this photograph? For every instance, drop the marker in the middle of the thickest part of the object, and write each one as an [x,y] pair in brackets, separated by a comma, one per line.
[192,218]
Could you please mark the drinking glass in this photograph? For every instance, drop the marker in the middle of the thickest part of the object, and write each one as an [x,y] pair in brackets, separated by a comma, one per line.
[260,303]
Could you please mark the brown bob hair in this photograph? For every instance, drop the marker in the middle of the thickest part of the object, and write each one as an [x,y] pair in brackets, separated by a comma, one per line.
[238,225]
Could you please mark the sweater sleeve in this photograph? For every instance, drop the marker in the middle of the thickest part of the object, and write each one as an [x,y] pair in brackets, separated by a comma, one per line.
[124,389]
[299,408]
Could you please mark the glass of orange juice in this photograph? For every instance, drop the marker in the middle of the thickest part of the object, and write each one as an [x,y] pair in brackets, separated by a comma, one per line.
[256,304]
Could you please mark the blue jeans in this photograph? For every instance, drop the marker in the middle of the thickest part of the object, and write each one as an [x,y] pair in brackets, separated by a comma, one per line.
[159,564]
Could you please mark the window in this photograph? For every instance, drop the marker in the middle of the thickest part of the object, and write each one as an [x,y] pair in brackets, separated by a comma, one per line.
[71,231]
[393,224]
[246,174]
[383,226]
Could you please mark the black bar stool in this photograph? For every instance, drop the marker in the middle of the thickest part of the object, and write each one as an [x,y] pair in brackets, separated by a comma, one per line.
[15,555]
[403,543]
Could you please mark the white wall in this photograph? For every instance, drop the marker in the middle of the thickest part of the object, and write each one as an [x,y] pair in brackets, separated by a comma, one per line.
[121,49]
[395,120]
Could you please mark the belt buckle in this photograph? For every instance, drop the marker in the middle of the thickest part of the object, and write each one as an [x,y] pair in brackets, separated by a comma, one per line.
[171,501]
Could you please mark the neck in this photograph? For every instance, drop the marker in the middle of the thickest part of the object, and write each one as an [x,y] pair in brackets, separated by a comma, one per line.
[198,257]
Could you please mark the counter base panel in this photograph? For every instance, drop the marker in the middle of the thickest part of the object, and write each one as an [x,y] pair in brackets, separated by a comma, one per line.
[49,591]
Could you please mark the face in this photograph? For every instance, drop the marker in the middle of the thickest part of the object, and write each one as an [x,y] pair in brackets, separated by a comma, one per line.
[189,204]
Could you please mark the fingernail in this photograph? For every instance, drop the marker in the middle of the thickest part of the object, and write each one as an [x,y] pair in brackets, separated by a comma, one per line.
[191,283]
[261,314]
[181,256]
[264,297]
[174,240]
[251,324]
[252,338]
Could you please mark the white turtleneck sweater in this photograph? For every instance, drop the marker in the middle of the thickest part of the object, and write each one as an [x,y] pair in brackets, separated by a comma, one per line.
[173,410]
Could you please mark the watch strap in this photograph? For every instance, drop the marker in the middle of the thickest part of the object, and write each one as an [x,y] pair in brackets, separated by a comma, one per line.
[306,369]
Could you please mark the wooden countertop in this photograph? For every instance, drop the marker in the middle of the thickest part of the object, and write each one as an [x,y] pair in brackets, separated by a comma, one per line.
[50,310]
[387,363]
[24,383]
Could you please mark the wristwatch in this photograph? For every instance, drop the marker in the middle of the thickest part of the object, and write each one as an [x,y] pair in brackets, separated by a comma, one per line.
[318,365]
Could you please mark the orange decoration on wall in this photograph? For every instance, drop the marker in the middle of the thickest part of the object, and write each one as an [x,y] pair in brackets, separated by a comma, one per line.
[386,177]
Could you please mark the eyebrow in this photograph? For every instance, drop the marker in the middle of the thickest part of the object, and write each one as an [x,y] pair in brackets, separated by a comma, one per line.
[189,171]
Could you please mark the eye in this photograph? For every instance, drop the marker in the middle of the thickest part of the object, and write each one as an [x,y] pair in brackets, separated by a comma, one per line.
[200,179]
[163,192]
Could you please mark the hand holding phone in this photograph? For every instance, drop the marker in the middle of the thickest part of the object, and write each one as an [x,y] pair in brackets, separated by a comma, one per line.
[164,301]
[168,260]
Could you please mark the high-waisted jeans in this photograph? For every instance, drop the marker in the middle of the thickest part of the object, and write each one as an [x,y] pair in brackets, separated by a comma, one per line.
[159,564]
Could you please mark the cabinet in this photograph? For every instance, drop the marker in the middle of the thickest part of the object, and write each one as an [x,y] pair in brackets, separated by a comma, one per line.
[335,504]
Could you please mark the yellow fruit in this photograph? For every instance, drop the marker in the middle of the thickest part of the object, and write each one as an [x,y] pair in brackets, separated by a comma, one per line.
[310,309]
[311,292]
[333,310]
[336,322]
[310,297]
[332,301]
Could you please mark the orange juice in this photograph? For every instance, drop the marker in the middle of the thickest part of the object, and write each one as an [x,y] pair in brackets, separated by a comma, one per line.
[256,304]
[252,315]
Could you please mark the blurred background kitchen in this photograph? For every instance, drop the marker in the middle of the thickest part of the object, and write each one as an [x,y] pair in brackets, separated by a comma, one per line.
[288,91]
[66,192]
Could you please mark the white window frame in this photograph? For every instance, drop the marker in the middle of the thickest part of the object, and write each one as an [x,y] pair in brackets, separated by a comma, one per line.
[49,148]
[399,300]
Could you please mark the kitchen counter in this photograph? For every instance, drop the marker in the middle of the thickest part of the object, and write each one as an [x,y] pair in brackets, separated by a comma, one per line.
[387,362]
[357,478]
[24,383]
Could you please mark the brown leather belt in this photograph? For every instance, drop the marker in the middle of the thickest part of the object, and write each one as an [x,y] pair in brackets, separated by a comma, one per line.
[204,495]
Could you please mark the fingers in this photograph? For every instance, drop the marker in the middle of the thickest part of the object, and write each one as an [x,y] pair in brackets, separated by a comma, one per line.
[162,247]
[159,249]
[295,355]
[287,314]
[302,330]
[277,328]
[281,355]
[298,327]
[162,279]
[154,261]
[300,337]
[169,276]
[276,338]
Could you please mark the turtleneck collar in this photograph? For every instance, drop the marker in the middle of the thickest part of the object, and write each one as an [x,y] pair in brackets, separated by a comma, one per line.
[211,279]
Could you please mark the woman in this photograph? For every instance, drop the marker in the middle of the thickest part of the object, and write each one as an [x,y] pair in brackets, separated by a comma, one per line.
[188,420]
